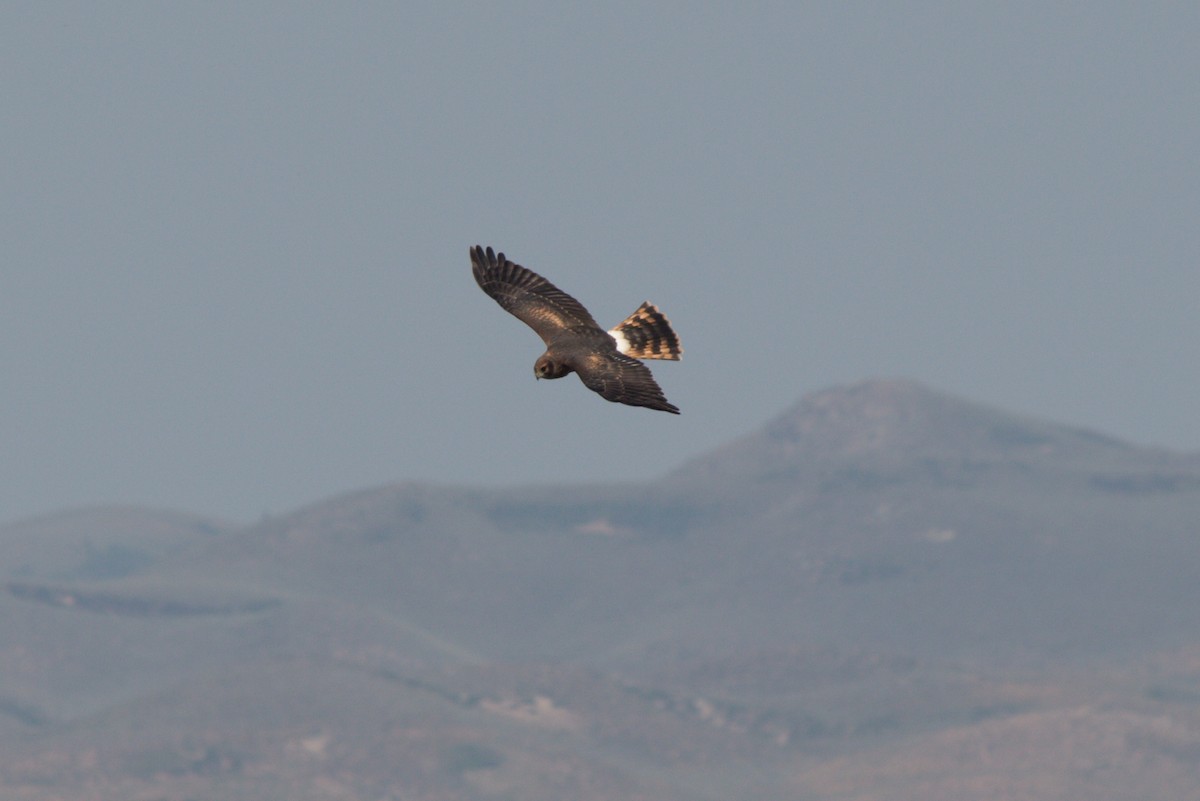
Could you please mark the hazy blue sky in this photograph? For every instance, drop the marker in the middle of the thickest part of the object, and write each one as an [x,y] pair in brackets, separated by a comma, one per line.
[235,273]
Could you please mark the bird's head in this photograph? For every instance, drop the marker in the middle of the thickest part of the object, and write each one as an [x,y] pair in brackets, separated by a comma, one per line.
[546,367]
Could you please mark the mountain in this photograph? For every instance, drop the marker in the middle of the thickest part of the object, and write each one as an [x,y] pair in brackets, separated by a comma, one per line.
[885,592]
[101,543]
[901,424]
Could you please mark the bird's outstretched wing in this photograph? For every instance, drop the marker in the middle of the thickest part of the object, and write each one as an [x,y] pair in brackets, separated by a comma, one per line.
[527,296]
[622,379]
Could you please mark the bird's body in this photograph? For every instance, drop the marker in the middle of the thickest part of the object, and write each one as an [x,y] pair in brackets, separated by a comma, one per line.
[606,361]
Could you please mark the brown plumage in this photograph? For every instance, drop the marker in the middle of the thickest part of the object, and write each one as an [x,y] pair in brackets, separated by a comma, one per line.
[606,362]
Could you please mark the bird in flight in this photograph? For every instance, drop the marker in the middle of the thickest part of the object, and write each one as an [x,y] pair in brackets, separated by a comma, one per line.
[605,361]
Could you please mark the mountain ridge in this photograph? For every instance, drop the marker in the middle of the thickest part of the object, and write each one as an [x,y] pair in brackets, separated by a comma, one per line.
[895,419]
[878,576]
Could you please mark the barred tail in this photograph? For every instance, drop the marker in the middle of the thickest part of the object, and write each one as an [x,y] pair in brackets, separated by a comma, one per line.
[647,334]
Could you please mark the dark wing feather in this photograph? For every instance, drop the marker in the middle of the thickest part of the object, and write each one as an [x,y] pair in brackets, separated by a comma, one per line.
[527,296]
[621,379]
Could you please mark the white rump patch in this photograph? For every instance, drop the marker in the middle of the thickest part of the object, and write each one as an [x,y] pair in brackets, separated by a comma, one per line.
[622,342]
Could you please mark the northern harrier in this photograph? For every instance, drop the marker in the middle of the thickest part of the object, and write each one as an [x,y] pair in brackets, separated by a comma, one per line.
[606,361]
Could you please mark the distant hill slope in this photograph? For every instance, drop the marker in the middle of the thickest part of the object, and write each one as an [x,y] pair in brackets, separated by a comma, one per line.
[881,514]
[880,574]
[893,430]
[98,543]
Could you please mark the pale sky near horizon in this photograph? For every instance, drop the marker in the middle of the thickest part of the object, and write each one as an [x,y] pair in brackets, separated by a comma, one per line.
[235,273]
